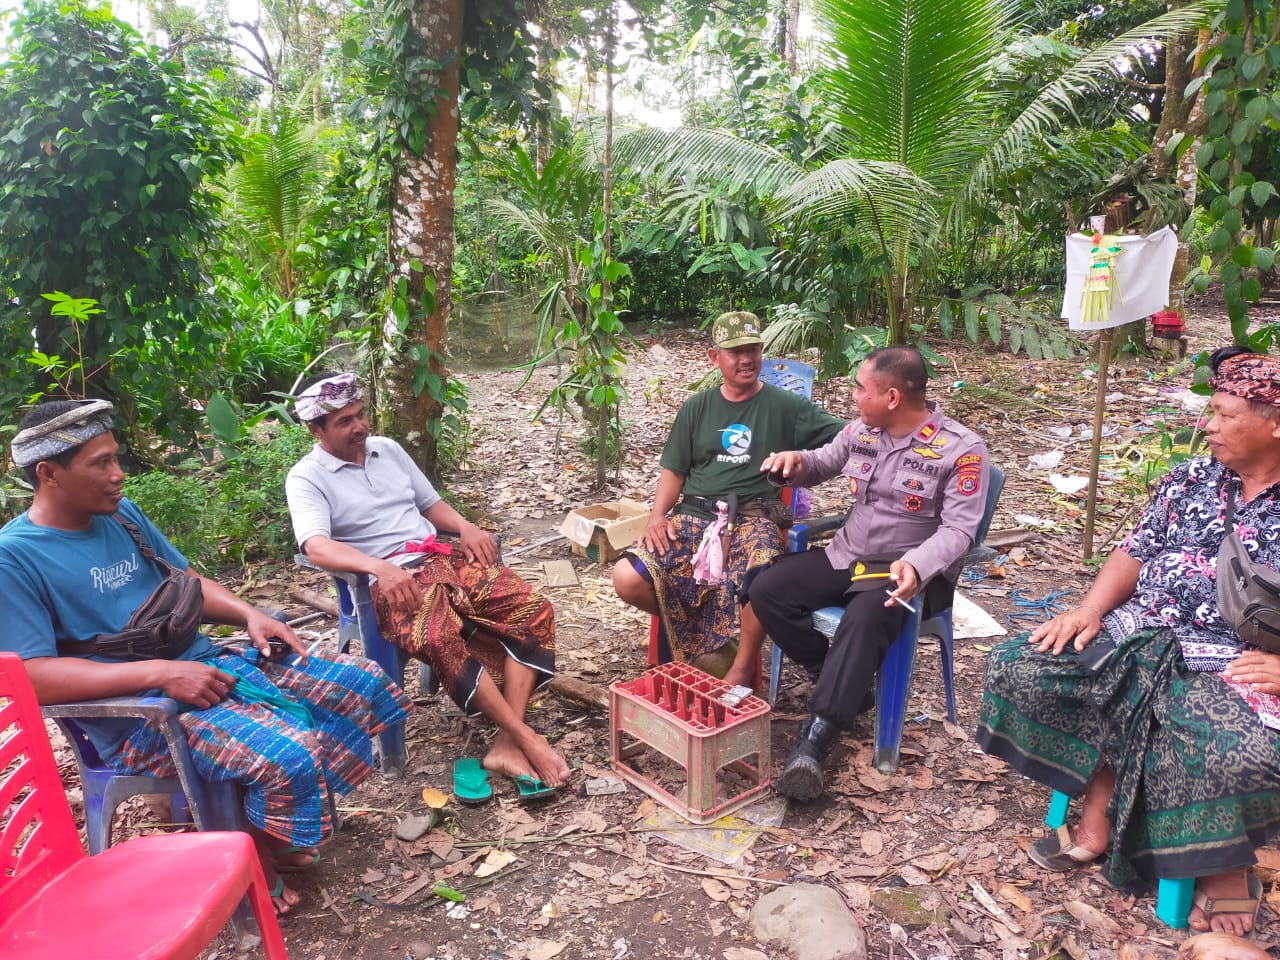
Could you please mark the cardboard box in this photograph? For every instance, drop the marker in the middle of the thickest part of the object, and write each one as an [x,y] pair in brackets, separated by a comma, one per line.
[602,531]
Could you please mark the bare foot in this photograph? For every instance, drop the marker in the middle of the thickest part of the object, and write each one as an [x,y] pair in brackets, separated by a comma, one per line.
[296,859]
[548,761]
[507,759]
[1224,886]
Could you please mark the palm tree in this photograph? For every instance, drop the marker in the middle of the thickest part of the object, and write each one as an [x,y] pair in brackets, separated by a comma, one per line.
[908,91]
[273,191]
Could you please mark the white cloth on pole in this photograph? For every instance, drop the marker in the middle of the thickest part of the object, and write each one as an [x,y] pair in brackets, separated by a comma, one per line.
[1142,272]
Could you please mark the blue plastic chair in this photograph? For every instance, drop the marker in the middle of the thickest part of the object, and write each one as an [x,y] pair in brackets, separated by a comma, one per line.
[893,681]
[1173,897]
[357,620]
[211,805]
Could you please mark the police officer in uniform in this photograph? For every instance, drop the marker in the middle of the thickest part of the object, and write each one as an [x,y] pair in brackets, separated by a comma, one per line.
[919,482]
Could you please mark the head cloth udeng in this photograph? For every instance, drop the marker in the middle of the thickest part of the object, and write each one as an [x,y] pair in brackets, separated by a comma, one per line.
[1251,376]
[325,396]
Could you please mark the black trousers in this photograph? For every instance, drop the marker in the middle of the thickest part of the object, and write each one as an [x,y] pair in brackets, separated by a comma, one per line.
[784,597]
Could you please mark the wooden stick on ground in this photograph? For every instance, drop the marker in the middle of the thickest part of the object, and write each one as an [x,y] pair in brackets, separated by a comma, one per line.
[312,599]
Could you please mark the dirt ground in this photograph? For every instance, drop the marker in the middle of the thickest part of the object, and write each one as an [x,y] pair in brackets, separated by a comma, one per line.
[930,860]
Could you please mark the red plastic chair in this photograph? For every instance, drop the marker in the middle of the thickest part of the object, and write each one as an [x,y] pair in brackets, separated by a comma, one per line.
[160,896]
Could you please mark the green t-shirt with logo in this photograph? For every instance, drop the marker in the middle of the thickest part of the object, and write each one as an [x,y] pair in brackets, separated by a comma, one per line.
[718,445]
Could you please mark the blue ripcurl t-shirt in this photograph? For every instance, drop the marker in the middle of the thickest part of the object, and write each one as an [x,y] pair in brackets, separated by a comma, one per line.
[72,585]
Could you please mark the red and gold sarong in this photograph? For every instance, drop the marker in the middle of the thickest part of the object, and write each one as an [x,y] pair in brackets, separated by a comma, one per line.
[472,617]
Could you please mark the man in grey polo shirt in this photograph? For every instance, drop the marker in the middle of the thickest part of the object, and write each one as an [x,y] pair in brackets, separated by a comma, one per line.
[359,503]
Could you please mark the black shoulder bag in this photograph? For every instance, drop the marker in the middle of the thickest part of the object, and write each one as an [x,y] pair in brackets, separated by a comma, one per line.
[1248,592]
[164,626]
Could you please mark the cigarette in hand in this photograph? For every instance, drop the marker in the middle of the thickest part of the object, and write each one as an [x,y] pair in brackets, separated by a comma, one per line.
[899,600]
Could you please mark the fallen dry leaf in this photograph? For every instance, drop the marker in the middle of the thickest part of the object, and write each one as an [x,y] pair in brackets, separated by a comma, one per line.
[434,798]
[743,953]
[590,821]
[922,779]
[716,890]
[1092,917]
[1011,894]
[935,862]
[495,861]
[646,807]
[872,842]
[589,870]
[544,949]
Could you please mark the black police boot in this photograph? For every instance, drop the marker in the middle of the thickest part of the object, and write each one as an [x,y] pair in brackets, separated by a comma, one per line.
[802,776]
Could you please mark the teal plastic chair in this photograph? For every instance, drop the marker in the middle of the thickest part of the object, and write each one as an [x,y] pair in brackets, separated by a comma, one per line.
[893,681]
[1173,897]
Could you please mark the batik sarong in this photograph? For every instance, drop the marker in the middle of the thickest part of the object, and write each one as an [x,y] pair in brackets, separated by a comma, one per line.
[471,618]
[289,760]
[699,617]
[1197,773]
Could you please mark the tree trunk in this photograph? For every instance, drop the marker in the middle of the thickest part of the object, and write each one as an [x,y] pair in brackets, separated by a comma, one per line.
[421,233]
[606,409]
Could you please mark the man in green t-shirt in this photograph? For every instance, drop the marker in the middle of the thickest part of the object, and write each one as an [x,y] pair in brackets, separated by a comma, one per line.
[719,440]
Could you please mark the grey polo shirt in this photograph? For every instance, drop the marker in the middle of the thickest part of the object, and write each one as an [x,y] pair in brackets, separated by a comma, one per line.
[375,507]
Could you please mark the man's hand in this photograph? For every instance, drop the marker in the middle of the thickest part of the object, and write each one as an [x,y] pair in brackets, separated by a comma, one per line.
[782,466]
[478,546]
[660,534]
[906,581]
[263,629]
[191,681]
[398,586]
[1258,669]
[1077,626]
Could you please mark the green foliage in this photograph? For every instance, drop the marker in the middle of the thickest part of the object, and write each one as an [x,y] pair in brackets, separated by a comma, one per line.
[556,210]
[104,148]
[917,135]
[273,191]
[1242,102]
[234,511]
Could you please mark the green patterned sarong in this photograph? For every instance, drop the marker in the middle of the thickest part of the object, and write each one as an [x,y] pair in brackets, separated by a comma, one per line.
[1197,774]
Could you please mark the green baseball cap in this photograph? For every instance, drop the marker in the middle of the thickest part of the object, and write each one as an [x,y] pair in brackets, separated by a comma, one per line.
[736,329]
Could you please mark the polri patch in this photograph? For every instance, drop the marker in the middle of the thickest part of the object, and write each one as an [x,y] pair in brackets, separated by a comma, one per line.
[967,484]
[913,483]
[969,459]
[927,452]
[853,485]
[913,503]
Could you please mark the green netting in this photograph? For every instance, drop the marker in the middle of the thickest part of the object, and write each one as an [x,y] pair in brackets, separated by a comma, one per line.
[494,331]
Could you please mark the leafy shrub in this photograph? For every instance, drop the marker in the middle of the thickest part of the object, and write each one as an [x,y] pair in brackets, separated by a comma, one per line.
[233,511]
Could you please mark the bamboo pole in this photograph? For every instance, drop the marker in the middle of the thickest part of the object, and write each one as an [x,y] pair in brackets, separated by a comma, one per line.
[1099,404]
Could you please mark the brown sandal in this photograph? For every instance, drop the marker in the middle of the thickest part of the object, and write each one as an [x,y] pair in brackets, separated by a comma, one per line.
[1214,905]
[1056,852]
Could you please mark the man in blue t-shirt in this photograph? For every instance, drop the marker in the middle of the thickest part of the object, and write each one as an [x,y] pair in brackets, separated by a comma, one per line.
[79,563]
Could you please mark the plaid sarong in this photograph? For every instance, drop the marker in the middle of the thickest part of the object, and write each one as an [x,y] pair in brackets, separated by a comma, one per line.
[288,768]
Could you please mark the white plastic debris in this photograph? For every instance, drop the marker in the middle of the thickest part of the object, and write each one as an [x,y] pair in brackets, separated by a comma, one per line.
[1068,485]
[1045,461]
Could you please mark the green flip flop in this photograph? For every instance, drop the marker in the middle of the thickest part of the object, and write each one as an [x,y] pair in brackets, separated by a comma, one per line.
[533,790]
[471,781]
[284,867]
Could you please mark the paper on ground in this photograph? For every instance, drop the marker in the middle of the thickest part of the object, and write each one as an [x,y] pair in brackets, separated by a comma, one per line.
[724,840]
[970,622]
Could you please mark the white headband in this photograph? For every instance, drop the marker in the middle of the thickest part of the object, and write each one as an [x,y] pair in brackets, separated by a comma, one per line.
[325,396]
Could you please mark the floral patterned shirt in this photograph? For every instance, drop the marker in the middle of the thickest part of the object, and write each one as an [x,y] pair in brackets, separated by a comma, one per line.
[1177,542]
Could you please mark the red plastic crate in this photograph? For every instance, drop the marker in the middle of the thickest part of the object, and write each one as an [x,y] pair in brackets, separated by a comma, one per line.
[676,710]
